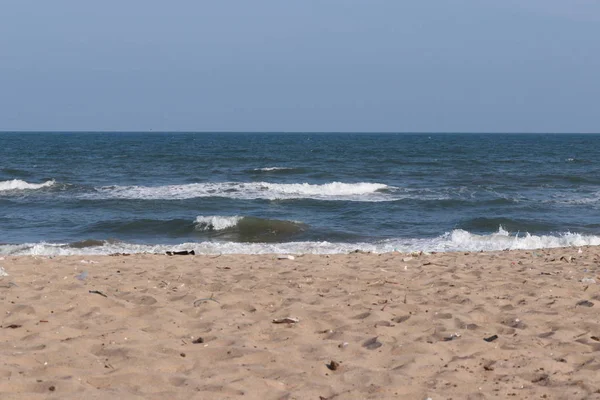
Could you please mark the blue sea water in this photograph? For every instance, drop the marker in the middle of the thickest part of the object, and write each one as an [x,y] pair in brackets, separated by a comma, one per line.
[101,193]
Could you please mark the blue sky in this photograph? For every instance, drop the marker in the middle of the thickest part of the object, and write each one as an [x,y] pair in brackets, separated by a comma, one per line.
[305,65]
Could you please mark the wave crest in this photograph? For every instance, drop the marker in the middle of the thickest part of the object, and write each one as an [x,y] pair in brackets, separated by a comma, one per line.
[17,184]
[461,240]
[457,240]
[362,191]
[329,189]
[249,229]
[215,222]
[271,169]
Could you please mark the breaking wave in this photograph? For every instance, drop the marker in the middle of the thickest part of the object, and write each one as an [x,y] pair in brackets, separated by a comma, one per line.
[461,240]
[216,222]
[275,169]
[457,240]
[17,184]
[249,229]
[362,191]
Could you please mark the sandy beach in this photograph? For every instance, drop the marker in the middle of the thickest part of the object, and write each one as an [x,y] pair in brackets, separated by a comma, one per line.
[512,324]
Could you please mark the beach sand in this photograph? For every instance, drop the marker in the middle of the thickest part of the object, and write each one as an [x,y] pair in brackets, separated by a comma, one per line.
[396,326]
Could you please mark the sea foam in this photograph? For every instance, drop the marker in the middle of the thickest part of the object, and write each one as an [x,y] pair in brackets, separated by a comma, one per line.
[457,240]
[216,222]
[362,191]
[271,169]
[462,240]
[17,184]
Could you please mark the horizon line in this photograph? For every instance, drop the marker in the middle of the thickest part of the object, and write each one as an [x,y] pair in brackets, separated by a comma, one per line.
[303,132]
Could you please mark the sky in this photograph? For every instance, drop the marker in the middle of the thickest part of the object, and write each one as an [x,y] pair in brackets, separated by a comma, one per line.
[300,65]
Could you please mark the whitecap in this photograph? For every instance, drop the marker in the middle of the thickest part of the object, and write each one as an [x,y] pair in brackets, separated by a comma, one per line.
[269,169]
[216,222]
[362,191]
[17,184]
[456,240]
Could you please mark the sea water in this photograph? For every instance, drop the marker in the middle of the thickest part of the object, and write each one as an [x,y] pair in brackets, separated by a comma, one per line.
[102,193]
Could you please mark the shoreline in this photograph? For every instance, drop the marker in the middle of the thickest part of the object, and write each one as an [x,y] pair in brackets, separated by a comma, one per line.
[396,325]
[446,243]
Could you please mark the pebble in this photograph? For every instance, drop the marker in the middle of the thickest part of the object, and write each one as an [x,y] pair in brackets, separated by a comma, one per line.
[333,365]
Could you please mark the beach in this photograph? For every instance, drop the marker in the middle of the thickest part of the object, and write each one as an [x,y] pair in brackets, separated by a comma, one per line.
[481,325]
[300,200]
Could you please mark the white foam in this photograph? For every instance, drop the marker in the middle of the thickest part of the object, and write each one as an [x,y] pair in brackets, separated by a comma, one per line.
[575,198]
[251,190]
[457,240]
[267,169]
[329,189]
[17,184]
[216,222]
[501,240]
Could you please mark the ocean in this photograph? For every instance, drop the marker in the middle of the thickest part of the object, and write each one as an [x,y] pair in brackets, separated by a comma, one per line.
[104,193]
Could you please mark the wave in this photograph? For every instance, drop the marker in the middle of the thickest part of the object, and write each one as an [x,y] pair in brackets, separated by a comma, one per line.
[461,240]
[277,169]
[17,184]
[578,160]
[140,227]
[266,169]
[216,222]
[249,229]
[482,224]
[230,228]
[554,179]
[575,199]
[456,240]
[332,191]
[362,191]
[15,172]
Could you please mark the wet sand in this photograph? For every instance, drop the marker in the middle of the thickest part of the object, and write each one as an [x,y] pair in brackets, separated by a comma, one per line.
[394,325]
